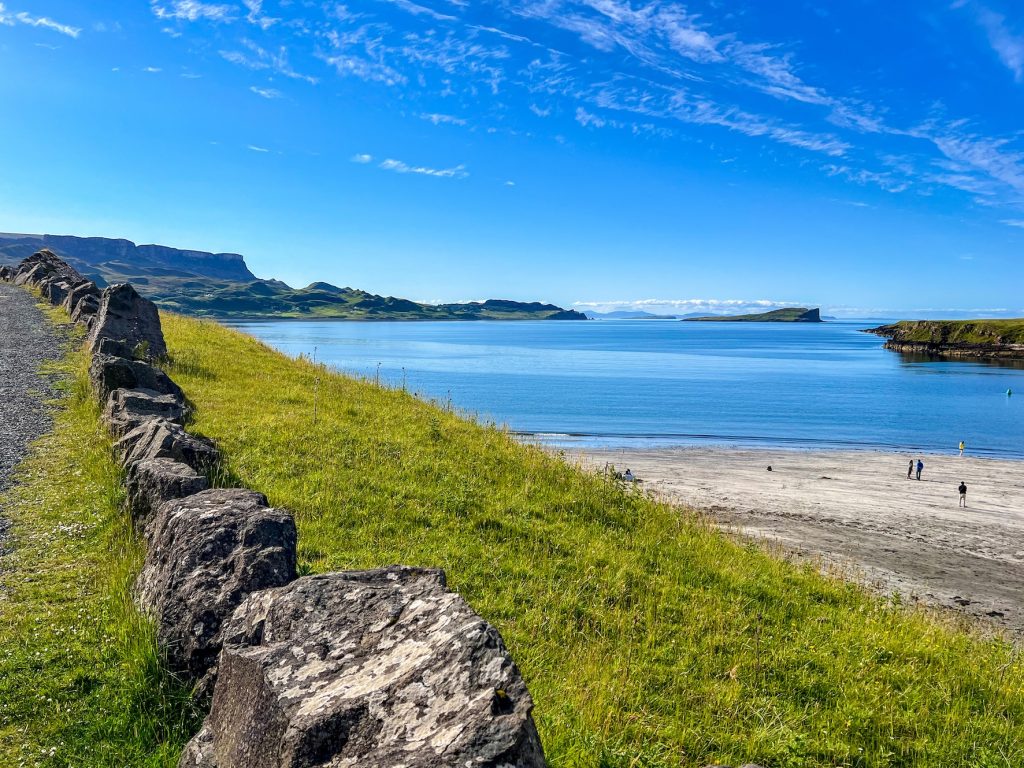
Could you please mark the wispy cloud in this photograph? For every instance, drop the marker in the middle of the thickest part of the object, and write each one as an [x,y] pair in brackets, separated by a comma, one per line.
[1009,47]
[193,10]
[458,172]
[152,70]
[256,15]
[266,93]
[256,57]
[362,159]
[256,148]
[1013,223]
[438,119]
[10,19]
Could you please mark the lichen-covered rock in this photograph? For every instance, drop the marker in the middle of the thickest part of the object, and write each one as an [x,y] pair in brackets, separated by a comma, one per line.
[373,669]
[127,408]
[126,317]
[108,373]
[152,482]
[161,439]
[207,553]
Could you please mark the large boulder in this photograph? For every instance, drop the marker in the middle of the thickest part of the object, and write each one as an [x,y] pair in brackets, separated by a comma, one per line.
[157,438]
[109,372]
[374,669]
[6,273]
[152,482]
[126,409]
[126,317]
[207,553]
[31,274]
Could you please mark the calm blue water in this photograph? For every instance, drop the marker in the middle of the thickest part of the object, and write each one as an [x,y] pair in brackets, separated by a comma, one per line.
[633,383]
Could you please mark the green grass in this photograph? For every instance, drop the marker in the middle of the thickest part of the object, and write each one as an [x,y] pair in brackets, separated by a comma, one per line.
[985,332]
[646,637]
[80,678]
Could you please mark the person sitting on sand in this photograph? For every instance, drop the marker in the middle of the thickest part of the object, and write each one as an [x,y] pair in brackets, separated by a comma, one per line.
[961,447]
[963,494]
[920,466]
[629,477]
[910,469]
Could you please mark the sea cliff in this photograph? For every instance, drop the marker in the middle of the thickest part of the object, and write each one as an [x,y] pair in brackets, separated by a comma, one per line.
[956,338]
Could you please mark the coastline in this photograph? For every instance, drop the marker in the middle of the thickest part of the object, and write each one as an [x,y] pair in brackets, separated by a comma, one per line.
[857,511]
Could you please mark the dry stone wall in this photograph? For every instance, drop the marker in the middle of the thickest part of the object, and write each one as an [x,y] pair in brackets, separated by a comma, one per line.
[374,668]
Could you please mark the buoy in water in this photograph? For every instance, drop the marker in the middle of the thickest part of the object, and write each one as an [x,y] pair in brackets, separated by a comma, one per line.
[1009,392]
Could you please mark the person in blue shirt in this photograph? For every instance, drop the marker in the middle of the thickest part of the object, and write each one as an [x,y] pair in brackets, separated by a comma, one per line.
[920,466]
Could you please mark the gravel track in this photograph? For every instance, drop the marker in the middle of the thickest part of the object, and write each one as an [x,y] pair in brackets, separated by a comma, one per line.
[27,341]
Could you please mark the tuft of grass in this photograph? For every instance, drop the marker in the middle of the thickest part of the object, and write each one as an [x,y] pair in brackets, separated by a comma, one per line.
[647,638]
[81,682]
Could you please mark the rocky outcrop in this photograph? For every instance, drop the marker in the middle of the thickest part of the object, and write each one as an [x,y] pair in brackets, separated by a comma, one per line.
[207,553]
[372,669]
[968,339]
[108,372]
[130,321]
[158,438]
[151,482]
[127,409]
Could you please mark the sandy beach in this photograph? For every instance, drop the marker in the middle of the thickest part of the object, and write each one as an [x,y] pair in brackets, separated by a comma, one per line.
[858,511]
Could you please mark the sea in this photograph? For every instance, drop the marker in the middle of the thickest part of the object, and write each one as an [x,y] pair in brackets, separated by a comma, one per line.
[663,383]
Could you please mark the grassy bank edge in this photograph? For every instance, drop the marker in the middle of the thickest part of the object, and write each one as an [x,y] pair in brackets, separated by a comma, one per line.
[80,678]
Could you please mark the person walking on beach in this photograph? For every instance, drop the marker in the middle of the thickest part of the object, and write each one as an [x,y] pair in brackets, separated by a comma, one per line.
[963,494]
[910,469]
[920,466]
[961,447]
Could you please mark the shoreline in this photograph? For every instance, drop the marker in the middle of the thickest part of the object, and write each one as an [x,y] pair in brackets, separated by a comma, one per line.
[857,511]
[584,443]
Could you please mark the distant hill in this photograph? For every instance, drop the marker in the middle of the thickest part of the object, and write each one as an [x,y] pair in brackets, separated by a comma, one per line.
[788,315]
[220,285]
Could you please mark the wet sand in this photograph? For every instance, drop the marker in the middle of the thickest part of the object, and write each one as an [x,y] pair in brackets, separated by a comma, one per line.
[856,510]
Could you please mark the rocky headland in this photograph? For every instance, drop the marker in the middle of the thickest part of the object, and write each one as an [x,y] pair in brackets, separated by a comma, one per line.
[978,339]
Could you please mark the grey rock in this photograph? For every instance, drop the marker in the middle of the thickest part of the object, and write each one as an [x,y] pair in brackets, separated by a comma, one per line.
[207,553]
[152,482]
[375,669]
[78,292]
[158,438]
[6,273]
[56,290]
[125,316]
[32,275]
[85,310]
[128,408]
[107,373]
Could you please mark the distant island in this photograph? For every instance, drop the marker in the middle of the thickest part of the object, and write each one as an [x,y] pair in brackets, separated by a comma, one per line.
[788,315]
[956,338]
[220,285]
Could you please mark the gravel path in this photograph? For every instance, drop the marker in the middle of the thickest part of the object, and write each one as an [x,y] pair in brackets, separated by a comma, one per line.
[27,340]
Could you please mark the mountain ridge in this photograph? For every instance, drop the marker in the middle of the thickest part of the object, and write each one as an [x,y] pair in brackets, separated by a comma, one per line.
[220,285]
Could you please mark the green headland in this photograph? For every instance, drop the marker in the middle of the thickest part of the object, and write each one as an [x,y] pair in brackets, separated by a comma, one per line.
[788,315]
[1003,338]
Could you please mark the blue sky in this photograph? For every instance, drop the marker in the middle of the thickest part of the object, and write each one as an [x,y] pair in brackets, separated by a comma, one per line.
[600,153]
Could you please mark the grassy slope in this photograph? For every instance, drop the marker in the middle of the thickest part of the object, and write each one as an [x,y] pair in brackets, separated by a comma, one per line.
[80,681]
[986,332]
[646,638]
